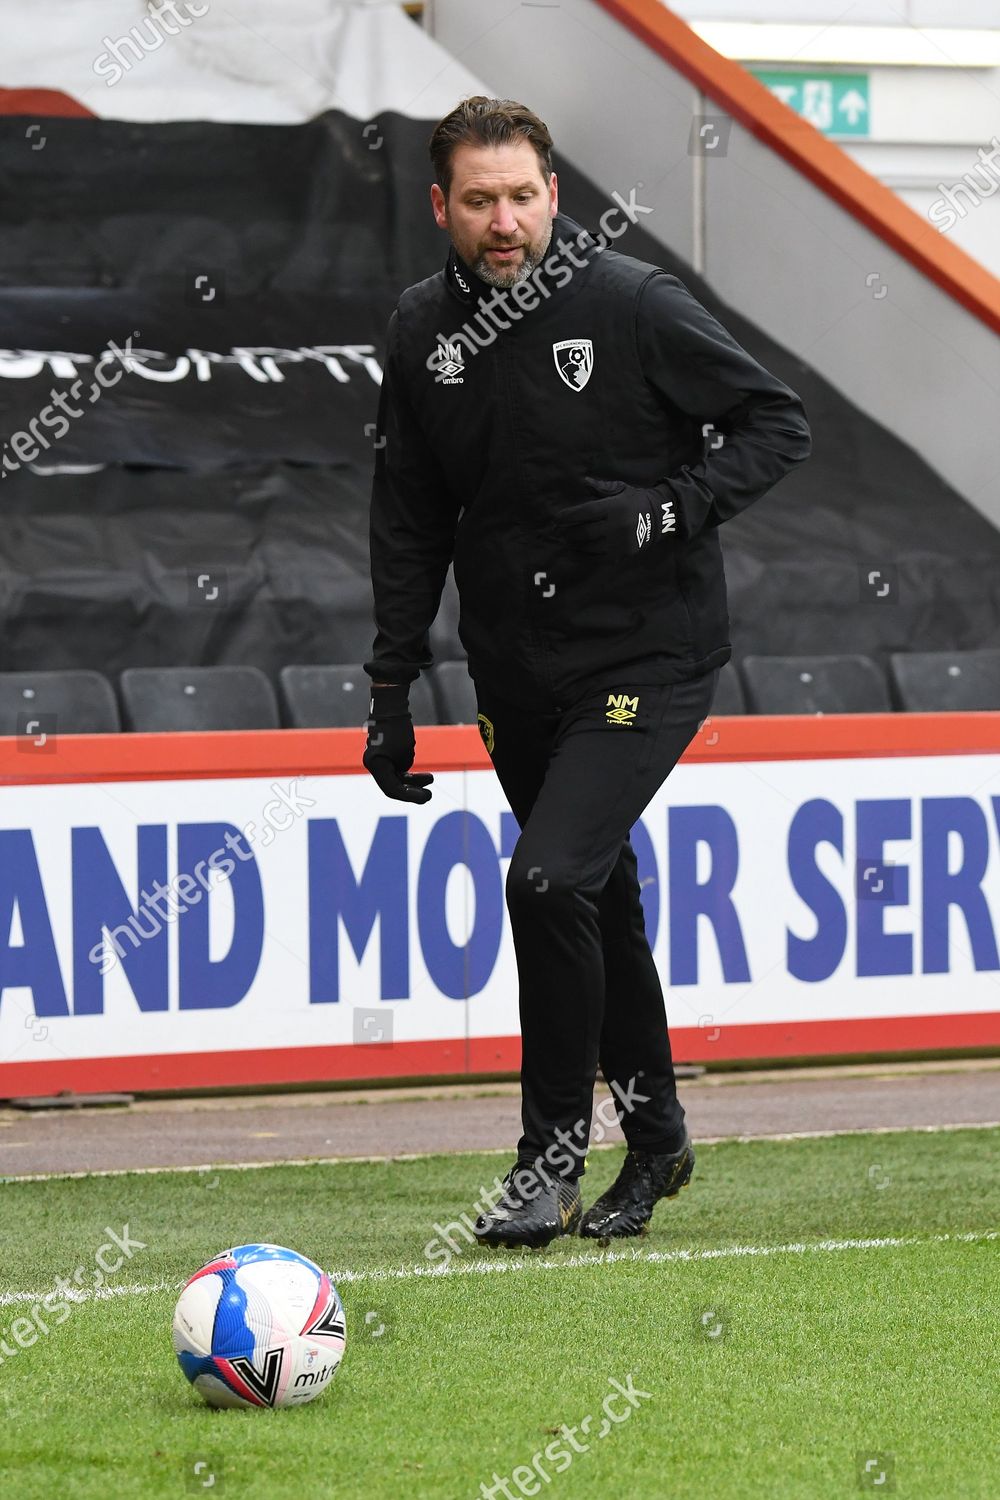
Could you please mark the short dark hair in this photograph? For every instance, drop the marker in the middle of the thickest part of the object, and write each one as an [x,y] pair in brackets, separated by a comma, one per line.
[481,121]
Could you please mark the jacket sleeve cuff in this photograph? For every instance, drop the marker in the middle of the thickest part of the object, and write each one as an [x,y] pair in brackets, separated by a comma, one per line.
[390,700]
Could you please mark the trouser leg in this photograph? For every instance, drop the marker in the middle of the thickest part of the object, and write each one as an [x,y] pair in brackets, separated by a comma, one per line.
[577,783]
[635,1053]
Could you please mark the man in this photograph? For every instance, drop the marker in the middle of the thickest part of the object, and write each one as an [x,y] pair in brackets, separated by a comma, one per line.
[570,426]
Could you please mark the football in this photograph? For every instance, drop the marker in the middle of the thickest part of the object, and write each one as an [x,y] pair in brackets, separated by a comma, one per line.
[259,1325]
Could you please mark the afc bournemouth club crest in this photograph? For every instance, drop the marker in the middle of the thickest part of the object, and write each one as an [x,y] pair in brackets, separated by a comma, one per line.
[486,730]
[574,360]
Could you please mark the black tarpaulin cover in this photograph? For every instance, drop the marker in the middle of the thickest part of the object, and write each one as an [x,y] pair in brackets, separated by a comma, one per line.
[232,286]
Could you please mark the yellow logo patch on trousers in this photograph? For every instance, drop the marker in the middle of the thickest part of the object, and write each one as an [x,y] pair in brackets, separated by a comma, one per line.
[621,709]
[486,730]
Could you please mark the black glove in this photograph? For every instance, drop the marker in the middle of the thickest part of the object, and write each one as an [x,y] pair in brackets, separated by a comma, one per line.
[622,521]
[391,746]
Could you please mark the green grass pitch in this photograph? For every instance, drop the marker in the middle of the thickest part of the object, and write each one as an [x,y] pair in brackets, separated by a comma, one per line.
[775,1338]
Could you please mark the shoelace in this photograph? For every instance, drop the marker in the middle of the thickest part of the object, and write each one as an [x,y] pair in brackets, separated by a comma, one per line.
[640,1166]
[510,1197]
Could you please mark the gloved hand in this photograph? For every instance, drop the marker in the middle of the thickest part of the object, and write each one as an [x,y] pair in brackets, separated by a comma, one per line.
[391,746]
[622,521]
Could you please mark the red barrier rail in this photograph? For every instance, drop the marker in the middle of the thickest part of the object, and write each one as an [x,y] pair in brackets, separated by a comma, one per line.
[326,752]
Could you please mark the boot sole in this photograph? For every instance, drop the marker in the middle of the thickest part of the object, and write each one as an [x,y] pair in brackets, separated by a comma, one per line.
[536,1241]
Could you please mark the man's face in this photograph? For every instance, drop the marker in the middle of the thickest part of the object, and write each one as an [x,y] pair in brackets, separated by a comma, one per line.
[499,200]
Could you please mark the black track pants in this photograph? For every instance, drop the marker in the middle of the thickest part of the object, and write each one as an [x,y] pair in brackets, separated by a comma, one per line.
[577,781]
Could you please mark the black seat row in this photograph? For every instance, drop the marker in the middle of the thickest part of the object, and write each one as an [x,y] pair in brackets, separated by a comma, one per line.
[917,682]
[156,699]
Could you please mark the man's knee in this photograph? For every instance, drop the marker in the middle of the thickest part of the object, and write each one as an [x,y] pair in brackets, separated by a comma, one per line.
[533,879]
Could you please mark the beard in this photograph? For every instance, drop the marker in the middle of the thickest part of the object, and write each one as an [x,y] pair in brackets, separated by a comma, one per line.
[499,275]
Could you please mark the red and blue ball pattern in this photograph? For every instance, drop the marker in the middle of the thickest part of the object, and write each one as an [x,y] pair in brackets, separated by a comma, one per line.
[259,1325]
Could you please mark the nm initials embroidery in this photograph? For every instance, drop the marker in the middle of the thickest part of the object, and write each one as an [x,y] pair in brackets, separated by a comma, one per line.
[621,709]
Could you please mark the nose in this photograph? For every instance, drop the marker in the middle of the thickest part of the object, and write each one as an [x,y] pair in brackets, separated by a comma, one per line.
[504,221]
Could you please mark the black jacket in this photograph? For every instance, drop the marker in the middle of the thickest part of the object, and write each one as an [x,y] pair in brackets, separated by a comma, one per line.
[479,444]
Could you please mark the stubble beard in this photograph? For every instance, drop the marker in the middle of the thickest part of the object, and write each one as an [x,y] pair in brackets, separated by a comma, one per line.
[499,276]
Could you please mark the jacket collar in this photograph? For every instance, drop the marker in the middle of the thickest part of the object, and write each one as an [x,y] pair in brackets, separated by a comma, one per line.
[469,288]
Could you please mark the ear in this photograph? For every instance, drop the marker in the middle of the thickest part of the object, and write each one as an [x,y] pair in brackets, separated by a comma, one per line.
[438,207]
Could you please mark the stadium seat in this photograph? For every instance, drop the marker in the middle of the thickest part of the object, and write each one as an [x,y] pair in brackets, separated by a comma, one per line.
[946,681]
[337,697]
[423,704]
[456,693]
[69,702]
[815,685]
[157,699]
[327,697]
[729,697]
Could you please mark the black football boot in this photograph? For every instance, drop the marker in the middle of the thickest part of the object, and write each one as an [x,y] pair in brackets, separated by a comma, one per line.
[645,1177]
[534,1208]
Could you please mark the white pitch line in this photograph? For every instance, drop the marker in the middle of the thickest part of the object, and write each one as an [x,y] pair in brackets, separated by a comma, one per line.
[101,1294]
[340,1161]
[825,1135]
[507,1262]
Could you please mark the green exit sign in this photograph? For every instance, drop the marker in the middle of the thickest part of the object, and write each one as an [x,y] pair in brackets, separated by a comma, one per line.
[836,103]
